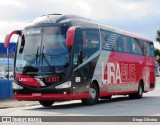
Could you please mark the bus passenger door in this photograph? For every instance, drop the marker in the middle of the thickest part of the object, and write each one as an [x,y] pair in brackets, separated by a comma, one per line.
[77,75]
[86,45]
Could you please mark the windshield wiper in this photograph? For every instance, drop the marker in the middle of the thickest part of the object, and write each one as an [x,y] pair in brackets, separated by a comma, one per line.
[32,57]
[43,57]
[37,54]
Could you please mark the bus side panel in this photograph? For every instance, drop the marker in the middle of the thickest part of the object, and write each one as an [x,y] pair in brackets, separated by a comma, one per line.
[152,67]
[100,73]
[149,76]
[127,71]
[119,73]
[131,69]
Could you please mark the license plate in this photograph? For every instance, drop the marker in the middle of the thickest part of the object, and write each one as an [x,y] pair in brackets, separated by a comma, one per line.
[52,79]
[36,94]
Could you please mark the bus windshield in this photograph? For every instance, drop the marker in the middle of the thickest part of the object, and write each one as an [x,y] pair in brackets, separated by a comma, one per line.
[42,50]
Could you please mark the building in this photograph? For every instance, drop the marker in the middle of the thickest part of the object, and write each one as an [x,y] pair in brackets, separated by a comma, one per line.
[3,50]
[4,60]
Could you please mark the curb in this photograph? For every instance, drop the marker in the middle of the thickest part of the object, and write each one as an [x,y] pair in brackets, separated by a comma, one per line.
[12,103]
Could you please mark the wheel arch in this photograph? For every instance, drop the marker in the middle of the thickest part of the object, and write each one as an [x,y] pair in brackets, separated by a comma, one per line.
[94,81]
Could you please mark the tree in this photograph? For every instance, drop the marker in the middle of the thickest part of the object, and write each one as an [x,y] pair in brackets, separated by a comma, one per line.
[157,51]
[158,36]
[157,55]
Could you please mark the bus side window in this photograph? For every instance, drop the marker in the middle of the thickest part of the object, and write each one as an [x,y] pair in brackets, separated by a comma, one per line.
[91,42]
[146,48]
[151,48]
[120,44]
[103,38]
[77,46]
[136,47]
[141,44]
[115,46]
[129,45]
[105,35]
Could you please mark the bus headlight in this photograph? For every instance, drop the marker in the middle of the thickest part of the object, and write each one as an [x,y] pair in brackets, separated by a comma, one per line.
[16,86]
[64,85]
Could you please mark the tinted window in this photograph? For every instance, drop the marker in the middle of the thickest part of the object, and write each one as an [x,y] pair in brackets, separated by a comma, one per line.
[137,47]
[129,45]
[78,46]
[146,48]
[116,42]
[120,44]
[105,36]
[151,48]
[90,42]
[86,41]
[109,40]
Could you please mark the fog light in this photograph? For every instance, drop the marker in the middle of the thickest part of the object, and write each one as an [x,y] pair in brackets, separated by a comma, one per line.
[64,85]
[16,86]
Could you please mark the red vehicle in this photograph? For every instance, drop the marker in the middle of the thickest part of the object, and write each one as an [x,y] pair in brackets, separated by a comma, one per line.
[67,57]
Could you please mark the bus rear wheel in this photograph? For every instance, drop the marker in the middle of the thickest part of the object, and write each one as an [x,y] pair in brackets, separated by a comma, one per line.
[46,103]
[93,96]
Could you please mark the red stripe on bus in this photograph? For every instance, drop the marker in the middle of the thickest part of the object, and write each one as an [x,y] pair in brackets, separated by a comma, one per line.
[57,97]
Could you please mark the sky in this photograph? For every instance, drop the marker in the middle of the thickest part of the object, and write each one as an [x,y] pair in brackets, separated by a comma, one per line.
[138,16]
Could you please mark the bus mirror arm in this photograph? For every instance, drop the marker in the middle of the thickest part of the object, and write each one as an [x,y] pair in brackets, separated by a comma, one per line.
[80,60]
[22,44]
[8,37]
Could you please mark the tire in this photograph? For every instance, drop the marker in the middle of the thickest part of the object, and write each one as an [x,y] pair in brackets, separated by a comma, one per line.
[106,97]
[93,96]
[46,103]
[139,94]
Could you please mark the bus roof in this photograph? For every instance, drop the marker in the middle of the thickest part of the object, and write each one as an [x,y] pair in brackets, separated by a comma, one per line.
[52,19]
[136,36]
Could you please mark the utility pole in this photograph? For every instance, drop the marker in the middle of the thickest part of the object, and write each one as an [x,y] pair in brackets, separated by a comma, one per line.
[8,61]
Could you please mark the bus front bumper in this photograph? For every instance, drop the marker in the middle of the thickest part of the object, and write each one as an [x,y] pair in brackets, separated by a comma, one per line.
[37,96]
[57,93]
[54,97]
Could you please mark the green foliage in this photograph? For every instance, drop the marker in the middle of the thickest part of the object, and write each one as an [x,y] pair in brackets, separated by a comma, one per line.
[158,36]
[157,52]
[157,55]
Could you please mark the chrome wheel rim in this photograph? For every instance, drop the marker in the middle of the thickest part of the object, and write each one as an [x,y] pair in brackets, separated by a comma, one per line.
[140,90]
[92,93]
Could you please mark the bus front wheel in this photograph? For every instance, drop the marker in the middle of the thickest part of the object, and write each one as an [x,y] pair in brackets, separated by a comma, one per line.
[93,95]
[46,103]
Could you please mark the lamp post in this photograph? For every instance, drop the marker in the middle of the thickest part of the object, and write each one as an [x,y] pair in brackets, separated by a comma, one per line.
[8,61]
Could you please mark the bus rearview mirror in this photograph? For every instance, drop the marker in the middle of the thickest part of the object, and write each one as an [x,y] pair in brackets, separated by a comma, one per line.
[70,36]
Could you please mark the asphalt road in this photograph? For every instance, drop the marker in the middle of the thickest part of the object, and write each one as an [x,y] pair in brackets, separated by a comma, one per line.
[149,105]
